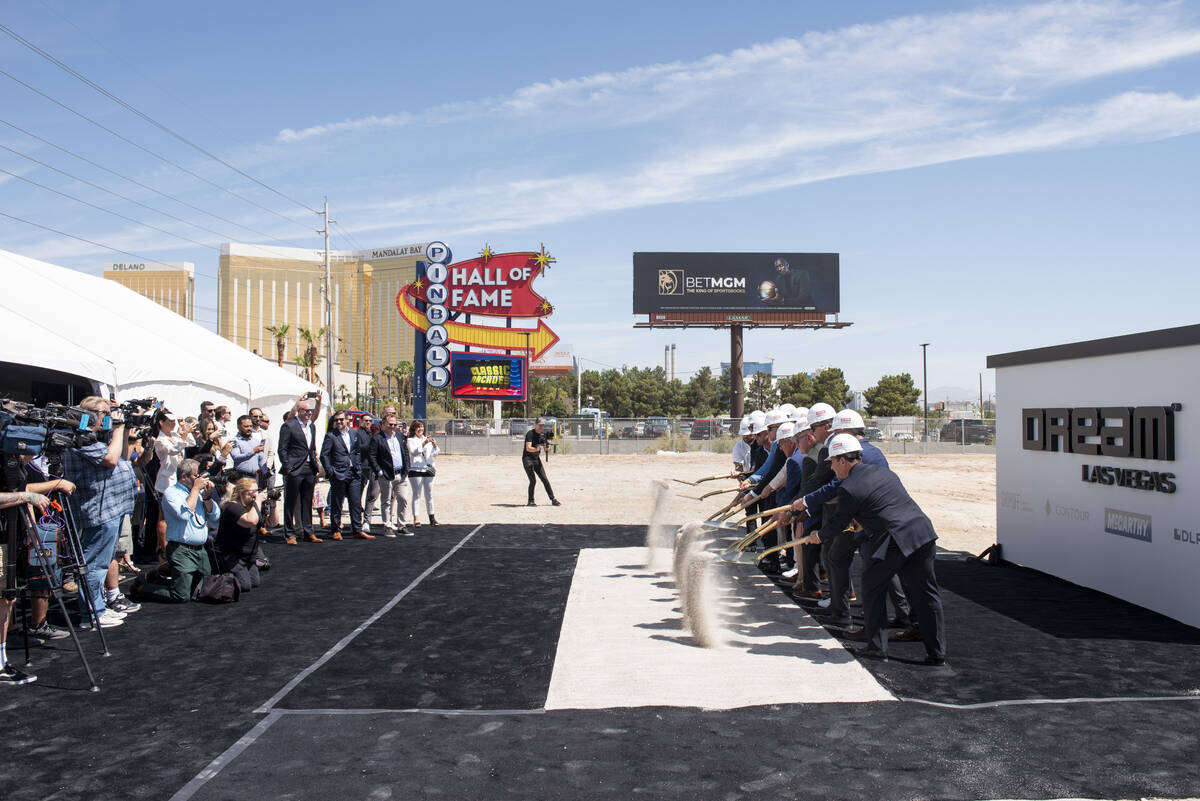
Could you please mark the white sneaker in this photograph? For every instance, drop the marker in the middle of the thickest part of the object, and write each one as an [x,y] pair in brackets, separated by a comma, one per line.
[108,619]
[790,573]
[366,528]
[824,604]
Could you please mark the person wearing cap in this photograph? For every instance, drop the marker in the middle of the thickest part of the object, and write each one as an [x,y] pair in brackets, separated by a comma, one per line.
[896,538]
[531,459]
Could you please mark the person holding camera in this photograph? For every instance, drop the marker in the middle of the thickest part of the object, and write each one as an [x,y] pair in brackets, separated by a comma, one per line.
[537,441]
[9,673]
[298,462]
[236,542]
[171,441]
[105,490]
[343,454]
[247,450]
[188,507]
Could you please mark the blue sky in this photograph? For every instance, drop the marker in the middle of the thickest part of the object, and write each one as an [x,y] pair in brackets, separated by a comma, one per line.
[995,176]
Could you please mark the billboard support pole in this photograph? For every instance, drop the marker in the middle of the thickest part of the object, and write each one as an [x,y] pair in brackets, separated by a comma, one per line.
[736,396]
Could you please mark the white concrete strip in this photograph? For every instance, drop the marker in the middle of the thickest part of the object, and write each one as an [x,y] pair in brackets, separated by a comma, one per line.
[228,755]
[342,643]
[623,644]
[411,711]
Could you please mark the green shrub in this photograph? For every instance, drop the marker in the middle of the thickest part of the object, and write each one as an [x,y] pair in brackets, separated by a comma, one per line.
[670,442]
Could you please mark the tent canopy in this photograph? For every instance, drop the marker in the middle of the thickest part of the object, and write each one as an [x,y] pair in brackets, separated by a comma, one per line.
[61,319]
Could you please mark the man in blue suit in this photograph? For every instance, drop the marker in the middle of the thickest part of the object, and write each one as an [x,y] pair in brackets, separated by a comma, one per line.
[896,539]
[343,454]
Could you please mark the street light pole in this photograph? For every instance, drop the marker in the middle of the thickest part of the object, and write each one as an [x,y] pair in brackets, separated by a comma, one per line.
[925,390]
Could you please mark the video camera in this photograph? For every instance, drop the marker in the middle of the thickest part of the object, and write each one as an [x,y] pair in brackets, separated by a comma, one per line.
[28,430]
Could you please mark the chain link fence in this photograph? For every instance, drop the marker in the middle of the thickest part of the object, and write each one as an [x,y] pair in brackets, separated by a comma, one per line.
[587,435]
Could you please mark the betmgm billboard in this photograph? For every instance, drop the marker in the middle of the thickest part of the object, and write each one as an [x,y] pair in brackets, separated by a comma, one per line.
[736,282]
[1098,463]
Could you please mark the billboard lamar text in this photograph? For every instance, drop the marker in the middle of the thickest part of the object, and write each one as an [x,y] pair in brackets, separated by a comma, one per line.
[485,376]
[698,282]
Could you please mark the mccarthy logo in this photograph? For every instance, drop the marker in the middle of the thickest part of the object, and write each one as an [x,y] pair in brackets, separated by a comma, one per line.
[1127,524]
[670,282]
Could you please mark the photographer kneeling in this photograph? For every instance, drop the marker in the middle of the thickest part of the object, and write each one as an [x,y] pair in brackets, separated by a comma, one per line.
[236,542]
[188,509]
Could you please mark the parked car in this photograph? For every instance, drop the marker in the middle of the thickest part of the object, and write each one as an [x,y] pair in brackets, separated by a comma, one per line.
[873,434]
[707,428]
[657,426]
[518,428]
[469,428]
[685,429]
[903,436]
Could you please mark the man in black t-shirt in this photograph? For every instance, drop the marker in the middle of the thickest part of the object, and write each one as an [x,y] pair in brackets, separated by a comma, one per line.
[531,459]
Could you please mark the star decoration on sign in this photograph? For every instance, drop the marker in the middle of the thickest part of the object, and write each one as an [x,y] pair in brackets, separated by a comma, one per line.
[418,285]
[486,253]
[545,307]
[544,259]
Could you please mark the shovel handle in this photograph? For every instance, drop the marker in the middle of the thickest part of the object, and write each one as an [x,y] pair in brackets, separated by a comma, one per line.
[776,549]
[747,540]
[776,510]
[717,492]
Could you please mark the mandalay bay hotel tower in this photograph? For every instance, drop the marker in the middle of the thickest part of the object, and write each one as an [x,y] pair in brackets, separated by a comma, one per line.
[261,286]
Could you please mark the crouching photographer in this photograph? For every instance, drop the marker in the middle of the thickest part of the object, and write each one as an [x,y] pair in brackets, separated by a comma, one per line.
[10,674]
[236,544]
[188,507]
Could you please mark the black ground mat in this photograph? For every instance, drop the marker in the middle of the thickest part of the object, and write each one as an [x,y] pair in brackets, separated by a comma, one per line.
[480,632]
[884,751]
[1012,632]
[184,681]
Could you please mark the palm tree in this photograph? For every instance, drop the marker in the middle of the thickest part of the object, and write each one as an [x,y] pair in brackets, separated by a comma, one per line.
[280,333]
[313,353]
[403,371]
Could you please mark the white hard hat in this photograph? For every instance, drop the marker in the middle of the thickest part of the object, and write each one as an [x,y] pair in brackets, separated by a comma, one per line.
[801,423]
[744,427]
[774,417]
[842,444]
[798,413]
[757,425]
[758,414]
[787,409]
[787,429]
[848,418]
[820,412]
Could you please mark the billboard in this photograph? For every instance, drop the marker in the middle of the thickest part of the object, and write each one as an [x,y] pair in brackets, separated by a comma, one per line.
[488,376]
[736,282]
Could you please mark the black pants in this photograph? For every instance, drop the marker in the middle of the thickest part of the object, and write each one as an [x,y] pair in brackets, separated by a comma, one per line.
[810,558]
[839,556]
[350,489]
[534,469]
[298,492]
[917,574]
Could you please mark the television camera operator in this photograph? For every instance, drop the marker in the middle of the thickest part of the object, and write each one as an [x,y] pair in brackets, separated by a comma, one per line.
[105,490]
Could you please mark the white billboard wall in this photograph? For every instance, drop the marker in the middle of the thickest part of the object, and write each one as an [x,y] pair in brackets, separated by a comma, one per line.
[1140,541]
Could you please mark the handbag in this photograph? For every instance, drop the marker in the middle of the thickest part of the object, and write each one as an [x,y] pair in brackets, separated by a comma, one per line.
[22,440]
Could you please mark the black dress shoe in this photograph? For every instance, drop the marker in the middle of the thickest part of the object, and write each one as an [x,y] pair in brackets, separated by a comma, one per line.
[871,652]
[935,660]
[555,502]
[531,503]
[899,623]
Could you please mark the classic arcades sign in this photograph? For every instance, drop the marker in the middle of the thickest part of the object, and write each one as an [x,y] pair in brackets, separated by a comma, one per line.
[1126,432]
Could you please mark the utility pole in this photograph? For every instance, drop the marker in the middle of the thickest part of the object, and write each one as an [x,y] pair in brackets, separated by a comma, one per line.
[327,307]
[925,391]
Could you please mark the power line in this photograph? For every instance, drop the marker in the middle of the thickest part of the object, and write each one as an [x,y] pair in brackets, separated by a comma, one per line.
[136,182]
[106,211]
[147,150]
[148,118]
[108,191]
[88,241]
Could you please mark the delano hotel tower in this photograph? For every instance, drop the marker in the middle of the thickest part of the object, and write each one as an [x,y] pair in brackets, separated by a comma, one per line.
[261,285]
[169,284]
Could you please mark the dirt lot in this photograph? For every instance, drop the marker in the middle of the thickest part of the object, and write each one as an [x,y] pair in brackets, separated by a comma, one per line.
[958,492]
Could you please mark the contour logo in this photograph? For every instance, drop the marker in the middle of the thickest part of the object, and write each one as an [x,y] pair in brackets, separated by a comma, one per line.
[1127,524]
[670,282]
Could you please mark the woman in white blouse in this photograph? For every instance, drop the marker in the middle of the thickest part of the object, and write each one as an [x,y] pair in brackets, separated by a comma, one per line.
[421,451]
[169,447]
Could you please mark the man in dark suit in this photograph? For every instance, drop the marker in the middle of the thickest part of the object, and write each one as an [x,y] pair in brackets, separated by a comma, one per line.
[298,462]
[343,454]
[387,457]
[896,539]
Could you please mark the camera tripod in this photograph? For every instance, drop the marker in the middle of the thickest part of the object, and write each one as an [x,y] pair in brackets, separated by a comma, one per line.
[42,556]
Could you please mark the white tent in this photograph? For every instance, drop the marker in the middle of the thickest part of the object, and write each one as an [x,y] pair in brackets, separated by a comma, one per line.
[60,319]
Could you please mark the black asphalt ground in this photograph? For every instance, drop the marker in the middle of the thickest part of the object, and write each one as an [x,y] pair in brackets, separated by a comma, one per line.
[1051,691]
